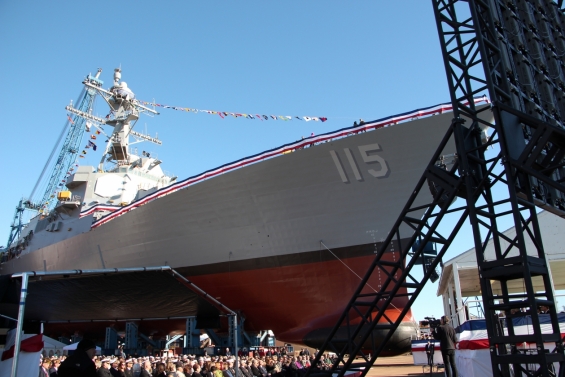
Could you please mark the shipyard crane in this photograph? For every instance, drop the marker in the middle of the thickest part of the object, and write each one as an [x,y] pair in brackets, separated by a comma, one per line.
[67,156]
[70,148]
[124,113]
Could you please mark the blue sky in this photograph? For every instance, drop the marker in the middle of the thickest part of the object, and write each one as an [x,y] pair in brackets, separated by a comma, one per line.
[341,60]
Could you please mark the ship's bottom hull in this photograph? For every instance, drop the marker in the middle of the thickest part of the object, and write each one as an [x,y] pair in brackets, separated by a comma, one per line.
[399,343]
[299,296]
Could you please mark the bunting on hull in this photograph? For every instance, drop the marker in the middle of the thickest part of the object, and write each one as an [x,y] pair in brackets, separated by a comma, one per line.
[284,149]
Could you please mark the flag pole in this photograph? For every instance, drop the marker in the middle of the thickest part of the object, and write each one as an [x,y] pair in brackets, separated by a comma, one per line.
[19,324]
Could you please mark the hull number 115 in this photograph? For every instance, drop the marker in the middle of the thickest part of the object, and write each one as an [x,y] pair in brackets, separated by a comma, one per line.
[368,156]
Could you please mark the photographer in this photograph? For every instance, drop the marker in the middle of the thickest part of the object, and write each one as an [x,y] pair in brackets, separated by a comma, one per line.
[445,333]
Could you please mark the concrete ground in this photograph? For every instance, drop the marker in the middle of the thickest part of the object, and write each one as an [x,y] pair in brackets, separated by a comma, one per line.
[401,366]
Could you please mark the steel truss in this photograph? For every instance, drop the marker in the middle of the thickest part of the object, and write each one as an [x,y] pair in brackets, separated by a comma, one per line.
[499,177]
[71,146]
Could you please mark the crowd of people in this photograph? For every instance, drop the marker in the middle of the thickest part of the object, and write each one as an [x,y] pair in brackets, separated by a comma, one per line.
[275,362]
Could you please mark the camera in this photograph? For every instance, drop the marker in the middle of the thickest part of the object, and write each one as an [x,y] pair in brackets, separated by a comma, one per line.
[432,322]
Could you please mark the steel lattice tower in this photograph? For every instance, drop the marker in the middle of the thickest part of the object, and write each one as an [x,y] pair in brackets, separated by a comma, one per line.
[510,50]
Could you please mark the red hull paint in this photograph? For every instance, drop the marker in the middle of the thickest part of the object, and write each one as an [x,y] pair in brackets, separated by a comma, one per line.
[294,300]
[291,300]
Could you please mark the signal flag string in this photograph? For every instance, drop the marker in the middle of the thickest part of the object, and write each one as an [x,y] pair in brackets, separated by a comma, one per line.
[113,212]
[223,114]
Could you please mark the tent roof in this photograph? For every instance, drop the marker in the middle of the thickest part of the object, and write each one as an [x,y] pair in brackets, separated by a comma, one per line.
[113,295]
[52,343]
[551,227]
[75,345]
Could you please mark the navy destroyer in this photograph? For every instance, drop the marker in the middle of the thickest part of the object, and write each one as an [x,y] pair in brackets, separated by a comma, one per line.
[281,236]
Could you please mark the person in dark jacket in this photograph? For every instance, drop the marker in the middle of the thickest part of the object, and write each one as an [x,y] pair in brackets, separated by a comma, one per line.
[54,367]
[160,370]
[245,369]
[146,371]
[129,368]
[230,370]
[104,370]
[114,368]
[197,370]
[255,369]
[80,363]
[44,368]
[445,333]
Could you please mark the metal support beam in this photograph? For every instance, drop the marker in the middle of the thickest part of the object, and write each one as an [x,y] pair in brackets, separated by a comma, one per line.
[364,327]
[233,339]
[148,340]
[263,336]
[111,339]
[460,310]
[17,224]
[501,37]
[131,336]
[70,147]
[192,335]
[452,311]
[489,47]
[172,340]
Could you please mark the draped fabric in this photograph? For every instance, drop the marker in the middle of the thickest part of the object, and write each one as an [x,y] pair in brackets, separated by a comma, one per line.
[28,357]
[472,355]
[284,149]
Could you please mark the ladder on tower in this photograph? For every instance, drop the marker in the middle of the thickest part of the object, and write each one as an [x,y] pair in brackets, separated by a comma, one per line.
[529,156]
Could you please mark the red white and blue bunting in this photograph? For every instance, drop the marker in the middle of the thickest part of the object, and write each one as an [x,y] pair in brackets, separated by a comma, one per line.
[287,148]
[223,114]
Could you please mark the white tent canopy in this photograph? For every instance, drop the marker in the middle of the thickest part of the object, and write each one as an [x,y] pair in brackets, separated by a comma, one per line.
[73,347]
[50,343]
[52,347]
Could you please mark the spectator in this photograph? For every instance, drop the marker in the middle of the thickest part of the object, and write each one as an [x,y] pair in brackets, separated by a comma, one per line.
[161,370]
[146,370]
[445,333]
[245,369]
[180,372]
[121,369]
[104,370]
[44,367]
[80,362]
[255,368]
[136,368]
[129,368]
[196,371]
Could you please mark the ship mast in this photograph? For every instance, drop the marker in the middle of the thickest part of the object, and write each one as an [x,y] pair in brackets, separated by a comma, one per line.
[123,115]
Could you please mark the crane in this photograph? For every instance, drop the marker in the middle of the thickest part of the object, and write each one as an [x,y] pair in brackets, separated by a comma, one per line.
[67,156]
[70,148]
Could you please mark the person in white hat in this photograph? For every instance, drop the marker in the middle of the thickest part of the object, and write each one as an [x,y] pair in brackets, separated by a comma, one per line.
[104,370]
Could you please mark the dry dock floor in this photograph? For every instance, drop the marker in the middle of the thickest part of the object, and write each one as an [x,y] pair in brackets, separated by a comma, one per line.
[402,365]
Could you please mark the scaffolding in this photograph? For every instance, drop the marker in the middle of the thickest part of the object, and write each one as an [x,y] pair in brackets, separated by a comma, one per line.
[510,51]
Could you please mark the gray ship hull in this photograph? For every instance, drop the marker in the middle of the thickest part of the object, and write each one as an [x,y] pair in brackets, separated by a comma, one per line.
[258,237]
